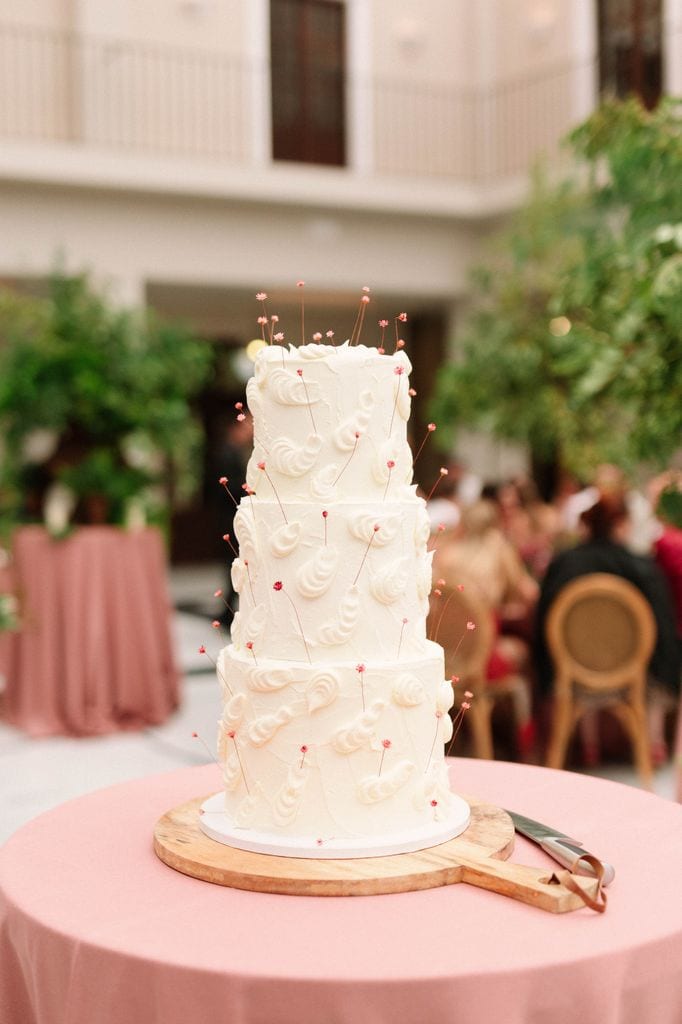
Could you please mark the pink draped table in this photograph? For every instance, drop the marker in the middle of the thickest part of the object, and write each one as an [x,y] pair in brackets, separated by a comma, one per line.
[95,929]
[94,651]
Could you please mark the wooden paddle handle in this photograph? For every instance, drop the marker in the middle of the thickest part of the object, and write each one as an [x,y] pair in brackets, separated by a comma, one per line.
[539,887]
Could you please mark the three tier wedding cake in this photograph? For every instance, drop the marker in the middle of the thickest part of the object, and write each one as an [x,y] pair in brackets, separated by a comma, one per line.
[335,707]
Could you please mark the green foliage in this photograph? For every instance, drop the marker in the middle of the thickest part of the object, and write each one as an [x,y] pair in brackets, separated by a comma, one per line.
[574,344]
[113,387]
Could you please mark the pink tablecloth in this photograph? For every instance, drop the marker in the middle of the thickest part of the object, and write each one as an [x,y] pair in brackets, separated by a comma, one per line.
[94,929]
[94,653]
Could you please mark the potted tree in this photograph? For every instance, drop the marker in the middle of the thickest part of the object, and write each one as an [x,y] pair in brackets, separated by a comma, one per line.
[94,406]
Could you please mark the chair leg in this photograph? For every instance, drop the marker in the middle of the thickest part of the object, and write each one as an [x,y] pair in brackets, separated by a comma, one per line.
[634,719]
[562,726]
[589,738]
[481,729]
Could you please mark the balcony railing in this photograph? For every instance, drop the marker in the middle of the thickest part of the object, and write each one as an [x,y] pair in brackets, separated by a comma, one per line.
[137,98]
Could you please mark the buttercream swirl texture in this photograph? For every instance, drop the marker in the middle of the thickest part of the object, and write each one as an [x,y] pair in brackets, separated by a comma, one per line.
[332,692]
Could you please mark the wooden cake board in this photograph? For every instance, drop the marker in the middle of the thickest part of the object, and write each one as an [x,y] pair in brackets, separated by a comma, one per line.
[478,856]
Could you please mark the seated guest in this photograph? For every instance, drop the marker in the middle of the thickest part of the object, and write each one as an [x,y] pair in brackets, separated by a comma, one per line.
[668,545]
[479,553]
[605,529]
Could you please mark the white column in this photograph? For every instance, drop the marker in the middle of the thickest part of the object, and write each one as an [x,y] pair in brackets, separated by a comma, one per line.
[585,87]
[257,53]
[359,93]
[672,47]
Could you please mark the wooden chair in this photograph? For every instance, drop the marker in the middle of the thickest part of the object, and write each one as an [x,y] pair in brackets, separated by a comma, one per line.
[600,632]
[467,653]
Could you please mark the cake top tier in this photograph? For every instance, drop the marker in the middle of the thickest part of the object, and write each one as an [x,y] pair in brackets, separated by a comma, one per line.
[330,423]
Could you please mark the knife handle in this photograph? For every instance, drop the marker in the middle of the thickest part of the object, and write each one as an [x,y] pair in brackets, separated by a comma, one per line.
[565,853]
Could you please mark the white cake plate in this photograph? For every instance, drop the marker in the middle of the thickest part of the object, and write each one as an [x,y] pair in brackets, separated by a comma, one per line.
[216,824]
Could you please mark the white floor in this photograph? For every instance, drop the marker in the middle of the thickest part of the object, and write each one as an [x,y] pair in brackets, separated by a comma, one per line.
[37,774]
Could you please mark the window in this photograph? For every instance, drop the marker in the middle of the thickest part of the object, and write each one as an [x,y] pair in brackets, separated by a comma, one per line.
[308,84]
[630,49]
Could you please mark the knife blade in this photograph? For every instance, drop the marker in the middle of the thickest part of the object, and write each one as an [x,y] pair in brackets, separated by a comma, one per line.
[561,847]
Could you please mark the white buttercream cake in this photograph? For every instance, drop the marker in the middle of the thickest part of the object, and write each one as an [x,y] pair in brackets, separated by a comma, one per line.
[335,707]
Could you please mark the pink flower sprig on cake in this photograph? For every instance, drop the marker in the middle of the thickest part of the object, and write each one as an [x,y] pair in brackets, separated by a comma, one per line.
[228,540]
[430,428]
[310,408]
[223,481]
[202,650]
[440,530]
[217,625]
[401,318]
[279,339]
[232,734]
[219,593]
[400,638]
[399,371]
[390,466]
[357,326]
[279,587]
[249,647]
[330,335]
[249,491]
[196,736]
[459,718]
[375,530]
[360,669]
[385,745]
[325,516]
[469,628]
[261,466]
[347,462]
[439,715]
[383,324]
[241,415]
[442,472]
[303,751]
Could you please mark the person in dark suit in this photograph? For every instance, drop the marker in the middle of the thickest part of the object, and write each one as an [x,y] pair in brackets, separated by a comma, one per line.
[605,527]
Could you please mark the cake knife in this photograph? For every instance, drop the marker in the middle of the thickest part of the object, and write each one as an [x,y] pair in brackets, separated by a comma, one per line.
[561,847]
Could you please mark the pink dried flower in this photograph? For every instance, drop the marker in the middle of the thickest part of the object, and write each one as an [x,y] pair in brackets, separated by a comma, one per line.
[300,284]
[431,427]
[402,317]
[399,371]
[261,296]
[317,336]
[262,320]
[202,649]
[386,744]
[216,624]
[412,393]
[217,593]
[400,343]
[240,417]
[277,585]
[360,668]
[383,323]
[471,626]
[278,337]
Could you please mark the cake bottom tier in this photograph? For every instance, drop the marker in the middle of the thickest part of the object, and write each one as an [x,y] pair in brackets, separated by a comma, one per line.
[218,825]
[335,757]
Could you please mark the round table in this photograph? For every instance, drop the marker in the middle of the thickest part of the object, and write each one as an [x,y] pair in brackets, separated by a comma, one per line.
[94,928]
[94,653]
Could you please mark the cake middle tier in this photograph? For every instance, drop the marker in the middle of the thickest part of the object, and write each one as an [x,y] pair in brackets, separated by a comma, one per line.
[346,581]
